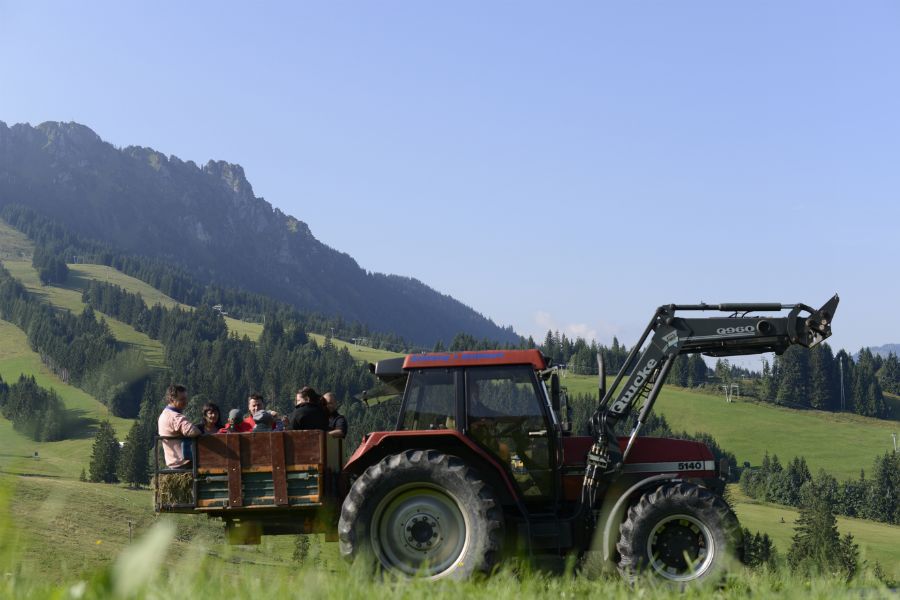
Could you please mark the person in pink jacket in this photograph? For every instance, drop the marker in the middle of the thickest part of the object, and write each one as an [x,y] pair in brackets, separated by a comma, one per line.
[173,423]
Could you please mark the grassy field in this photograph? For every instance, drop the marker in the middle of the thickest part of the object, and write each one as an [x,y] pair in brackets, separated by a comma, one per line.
[81,275]
[77,527]
[839,443]
[877,541]
[242,328]
[69,298]
[363,353]
[57,459]
[51,546]
[14,245]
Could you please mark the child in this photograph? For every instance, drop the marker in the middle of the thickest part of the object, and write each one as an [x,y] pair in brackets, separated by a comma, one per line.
[235,422]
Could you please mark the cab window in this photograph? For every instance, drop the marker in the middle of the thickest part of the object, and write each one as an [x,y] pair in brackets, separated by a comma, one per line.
[430,400]
[505,415]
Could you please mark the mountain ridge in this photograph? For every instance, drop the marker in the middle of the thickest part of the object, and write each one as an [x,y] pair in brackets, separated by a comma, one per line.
[884,350]
[208,219]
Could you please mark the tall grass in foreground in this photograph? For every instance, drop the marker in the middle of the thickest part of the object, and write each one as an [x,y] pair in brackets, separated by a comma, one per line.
[141,572]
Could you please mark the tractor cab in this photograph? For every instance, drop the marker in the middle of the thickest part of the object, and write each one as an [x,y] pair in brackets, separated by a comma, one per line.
[497,399]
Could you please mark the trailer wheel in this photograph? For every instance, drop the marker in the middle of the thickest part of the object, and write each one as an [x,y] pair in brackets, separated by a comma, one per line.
[422,512]
[681,534]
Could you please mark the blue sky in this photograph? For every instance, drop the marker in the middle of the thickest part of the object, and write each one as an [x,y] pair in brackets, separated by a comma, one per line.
[568,165]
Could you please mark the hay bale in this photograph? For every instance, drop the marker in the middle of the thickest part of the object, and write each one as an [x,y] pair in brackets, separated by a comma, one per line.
[174,488]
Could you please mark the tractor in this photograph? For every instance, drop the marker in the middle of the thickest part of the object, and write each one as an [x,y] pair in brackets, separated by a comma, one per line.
[483,464]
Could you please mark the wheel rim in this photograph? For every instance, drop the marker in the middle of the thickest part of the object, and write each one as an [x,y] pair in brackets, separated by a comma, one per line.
[681,548]
[419,529]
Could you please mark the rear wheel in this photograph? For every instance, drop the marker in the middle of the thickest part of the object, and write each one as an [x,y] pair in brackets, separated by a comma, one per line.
[422,512]
[680,533]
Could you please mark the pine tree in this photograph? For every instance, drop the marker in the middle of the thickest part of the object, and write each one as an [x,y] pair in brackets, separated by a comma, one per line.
[767,382]
[104,454]
[132,466]
[759,551]
[796,475]
[793,388]
[884,490]
[723,370]
[889,374]
[867,395]
[697,370]
[679,374]
[817,546]
[823,384]
[848,556]
[549,347]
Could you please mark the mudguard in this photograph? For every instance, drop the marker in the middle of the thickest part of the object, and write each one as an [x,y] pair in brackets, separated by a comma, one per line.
[377,445]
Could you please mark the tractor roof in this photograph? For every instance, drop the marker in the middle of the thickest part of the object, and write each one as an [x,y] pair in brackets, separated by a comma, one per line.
[475,359]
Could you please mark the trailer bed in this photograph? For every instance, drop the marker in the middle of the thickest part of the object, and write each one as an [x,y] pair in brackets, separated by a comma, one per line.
[242,473]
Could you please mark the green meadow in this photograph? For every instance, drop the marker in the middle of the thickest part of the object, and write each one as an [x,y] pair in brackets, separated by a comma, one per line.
[58,459]
[70,552]
[877,541]
[363,353]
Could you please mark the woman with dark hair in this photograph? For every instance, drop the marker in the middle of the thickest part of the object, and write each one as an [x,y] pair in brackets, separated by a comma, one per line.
[309,412]
[211,420]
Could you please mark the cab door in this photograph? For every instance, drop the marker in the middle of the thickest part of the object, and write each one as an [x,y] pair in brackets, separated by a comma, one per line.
[507,414]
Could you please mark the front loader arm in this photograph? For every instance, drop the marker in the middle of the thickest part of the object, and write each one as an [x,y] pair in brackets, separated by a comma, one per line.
[714,336]
[648,364]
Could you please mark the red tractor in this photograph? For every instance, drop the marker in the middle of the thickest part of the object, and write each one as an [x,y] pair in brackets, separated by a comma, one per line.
[482,463]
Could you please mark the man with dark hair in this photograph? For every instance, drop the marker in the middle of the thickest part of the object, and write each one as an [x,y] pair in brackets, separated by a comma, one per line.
[309,413]
[337,423]
[259,418]
[172,423]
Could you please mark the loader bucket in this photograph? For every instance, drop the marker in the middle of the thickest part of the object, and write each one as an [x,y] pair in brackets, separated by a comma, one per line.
[815,328]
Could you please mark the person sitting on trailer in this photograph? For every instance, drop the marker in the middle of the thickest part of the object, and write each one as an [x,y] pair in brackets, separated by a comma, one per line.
[173,424]
[268,420]
[309,413]
[337,423]
[211,420]
[235,418]
[265,421]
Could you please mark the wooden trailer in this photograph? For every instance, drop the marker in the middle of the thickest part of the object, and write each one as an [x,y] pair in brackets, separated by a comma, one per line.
[258,483]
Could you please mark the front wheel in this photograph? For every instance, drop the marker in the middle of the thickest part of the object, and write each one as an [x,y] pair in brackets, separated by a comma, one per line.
[422,512]
[680,533]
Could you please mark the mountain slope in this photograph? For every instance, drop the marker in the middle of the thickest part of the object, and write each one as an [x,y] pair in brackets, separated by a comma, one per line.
[208,220]
[885,350]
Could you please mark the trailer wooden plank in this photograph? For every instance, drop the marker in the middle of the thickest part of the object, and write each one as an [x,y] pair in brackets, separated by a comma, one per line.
[301,447]
[279,476]
[297,502]
[305,447]
[312,469]
[255,449]
[233,464]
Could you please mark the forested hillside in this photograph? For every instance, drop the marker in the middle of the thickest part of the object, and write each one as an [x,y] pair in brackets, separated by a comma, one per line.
[208,220]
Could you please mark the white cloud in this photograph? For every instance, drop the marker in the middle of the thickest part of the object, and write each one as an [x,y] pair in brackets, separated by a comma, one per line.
[577,330]
[602,332]
[544,321]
